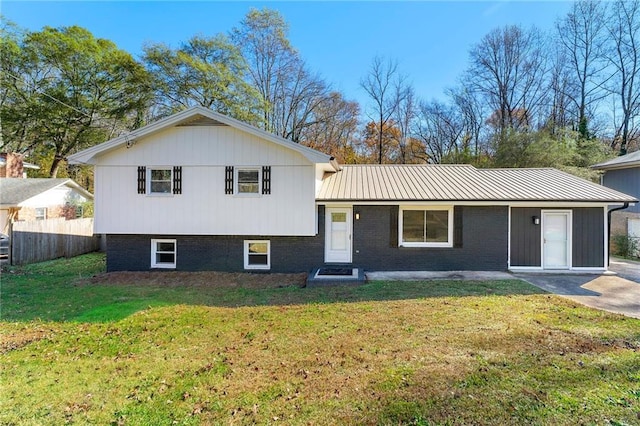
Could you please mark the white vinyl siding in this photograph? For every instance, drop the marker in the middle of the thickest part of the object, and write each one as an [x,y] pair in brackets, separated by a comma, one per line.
[205,209]
[421,226]
[163,254]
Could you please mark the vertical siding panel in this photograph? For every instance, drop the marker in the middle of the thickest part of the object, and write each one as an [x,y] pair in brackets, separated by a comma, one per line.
[588,244]
[525,237]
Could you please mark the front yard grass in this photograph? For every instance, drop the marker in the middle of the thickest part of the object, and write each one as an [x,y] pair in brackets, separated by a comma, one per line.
[76,349]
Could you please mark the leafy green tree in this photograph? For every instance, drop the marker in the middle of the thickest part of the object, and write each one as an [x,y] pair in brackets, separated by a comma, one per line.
[205,71]
[67,90]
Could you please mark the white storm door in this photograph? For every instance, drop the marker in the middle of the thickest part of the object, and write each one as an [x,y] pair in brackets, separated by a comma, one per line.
[556,240]
[337,246]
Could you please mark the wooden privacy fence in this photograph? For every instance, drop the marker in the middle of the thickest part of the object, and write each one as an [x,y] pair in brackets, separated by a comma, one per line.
[36,241]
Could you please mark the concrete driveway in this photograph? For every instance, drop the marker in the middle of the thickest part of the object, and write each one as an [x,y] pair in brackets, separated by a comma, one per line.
[624,268]
[617,292]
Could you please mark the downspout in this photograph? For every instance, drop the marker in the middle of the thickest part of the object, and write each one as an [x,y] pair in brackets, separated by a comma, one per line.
[624,206]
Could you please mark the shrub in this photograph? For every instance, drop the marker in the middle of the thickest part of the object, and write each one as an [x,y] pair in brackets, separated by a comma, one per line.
[625,246]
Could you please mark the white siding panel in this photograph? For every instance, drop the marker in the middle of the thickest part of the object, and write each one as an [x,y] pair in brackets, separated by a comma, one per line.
[203,208]
[202,146]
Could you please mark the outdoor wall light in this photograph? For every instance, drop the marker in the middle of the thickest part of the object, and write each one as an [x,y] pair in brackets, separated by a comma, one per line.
[357,216]
[536,220]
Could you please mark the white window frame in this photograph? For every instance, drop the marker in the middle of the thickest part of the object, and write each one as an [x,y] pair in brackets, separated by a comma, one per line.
[154,252]
[42,216]
[237,171]
[447,244]
[159,194]
[247,254]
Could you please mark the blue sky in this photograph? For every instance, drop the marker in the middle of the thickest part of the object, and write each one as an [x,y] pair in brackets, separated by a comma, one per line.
[430,40]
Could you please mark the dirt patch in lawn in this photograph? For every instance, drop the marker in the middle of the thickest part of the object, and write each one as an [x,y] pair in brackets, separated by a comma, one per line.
[199,279]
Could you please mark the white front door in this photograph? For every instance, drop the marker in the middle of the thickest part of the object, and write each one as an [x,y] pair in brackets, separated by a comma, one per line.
[556,239]
[337,235]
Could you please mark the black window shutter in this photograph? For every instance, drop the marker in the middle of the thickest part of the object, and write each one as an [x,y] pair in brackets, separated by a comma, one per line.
[393,226]
[457,226]
[142,180]
[177,179]
[228,180]
[266,180]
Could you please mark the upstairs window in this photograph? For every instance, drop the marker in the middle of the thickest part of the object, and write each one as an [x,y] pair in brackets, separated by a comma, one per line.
[248,181]
[160,180]
[426,227]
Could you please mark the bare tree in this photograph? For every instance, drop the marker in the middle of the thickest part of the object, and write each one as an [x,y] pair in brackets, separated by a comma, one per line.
[562,88]
[387,89]
[334,128]
[440,128]
[508,68]
[582,35]
[472,112]
[405,116]
[624,31]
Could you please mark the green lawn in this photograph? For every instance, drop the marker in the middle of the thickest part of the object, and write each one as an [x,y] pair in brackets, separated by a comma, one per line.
[76,349]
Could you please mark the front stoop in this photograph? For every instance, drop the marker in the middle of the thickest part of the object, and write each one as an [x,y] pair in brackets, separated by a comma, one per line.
[314,279]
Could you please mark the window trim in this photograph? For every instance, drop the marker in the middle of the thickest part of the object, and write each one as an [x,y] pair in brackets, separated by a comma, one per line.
[170,180]
[236,184]
[246,255]
[450,226]
[154,251]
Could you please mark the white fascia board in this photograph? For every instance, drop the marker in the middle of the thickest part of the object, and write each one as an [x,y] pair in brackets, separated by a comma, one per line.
[88,156]
[554,204]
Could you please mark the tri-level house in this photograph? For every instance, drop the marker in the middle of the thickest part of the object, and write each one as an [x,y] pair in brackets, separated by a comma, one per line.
[201,191]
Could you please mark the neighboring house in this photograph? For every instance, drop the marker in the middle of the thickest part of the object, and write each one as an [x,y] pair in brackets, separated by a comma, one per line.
[623,174]
[206,192]
[37,199]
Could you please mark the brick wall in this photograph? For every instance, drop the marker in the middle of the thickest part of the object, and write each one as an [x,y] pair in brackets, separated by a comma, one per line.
[484,247]
[484,243]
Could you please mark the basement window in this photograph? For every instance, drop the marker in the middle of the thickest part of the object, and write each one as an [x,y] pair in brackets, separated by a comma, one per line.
[163,254]
[257,254]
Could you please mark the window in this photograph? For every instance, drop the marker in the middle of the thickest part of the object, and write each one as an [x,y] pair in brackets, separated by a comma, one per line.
[426,227]
[248,181]
[160,181]
[254,180]
[163,253]
[257,254]
[41,213]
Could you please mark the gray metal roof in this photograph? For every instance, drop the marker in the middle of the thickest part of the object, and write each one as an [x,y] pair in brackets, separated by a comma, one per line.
[622,162]
[453,182]
[14,191]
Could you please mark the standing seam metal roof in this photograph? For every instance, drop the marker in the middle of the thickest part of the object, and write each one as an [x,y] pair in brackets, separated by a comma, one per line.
[460,182]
